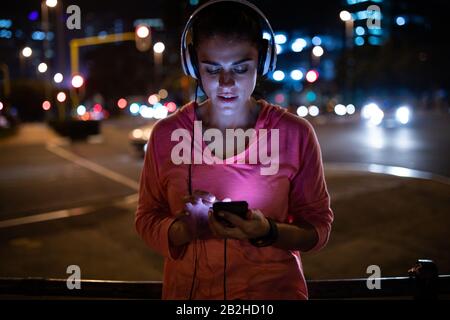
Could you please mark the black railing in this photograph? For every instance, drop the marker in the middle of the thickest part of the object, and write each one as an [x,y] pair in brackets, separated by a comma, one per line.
[423,282]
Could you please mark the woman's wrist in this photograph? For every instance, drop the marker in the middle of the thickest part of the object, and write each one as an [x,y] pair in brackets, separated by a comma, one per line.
[269,238]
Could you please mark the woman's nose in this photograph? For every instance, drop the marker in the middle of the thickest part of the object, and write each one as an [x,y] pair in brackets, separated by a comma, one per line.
[226,79]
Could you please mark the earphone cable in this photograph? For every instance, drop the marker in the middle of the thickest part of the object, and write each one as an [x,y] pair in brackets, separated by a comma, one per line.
[194,274]
[225,269]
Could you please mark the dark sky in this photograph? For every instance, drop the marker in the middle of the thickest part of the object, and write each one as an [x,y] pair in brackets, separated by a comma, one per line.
[321,16]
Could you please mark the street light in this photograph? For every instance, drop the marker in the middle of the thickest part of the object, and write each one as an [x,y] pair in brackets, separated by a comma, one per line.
[143,37]
[27,52]
[77,81]
[51,3]
[348,19]
[42,67]
[317,51]
[58,78]
[158,49]
[345,15]
[61,96]
[312,76]
[142,31]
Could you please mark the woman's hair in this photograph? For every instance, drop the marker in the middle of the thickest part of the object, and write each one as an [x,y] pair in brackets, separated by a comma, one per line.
[230,20]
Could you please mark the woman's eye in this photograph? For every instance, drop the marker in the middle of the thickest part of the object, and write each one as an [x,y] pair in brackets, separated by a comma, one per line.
[212,71]
[241,70]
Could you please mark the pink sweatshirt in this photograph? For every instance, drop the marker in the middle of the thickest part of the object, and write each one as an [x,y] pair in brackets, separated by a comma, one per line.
[297,192]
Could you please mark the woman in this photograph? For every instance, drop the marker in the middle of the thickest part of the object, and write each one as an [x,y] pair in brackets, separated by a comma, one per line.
[258,257]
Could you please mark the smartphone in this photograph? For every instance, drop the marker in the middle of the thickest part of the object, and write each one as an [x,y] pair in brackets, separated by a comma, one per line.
[239,208]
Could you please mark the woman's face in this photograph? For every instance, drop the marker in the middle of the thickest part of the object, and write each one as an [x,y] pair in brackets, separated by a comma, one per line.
[228,70]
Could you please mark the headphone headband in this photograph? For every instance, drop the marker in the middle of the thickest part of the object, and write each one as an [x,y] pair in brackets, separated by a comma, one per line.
[270,56]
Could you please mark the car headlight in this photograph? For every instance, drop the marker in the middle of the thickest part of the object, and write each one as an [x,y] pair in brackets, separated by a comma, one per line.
[403,115]
[376,117]
[369,110]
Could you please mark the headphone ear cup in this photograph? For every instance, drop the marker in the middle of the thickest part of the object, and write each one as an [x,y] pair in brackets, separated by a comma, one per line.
[264,57]
[189,61]
[192,62]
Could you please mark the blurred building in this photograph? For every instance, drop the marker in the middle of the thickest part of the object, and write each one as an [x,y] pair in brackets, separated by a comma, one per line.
[371,21]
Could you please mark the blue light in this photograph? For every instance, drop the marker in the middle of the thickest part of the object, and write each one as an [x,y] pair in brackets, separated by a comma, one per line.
[5,23]
[33,16]
[360,31]
[375,31]
[316,41]
[280,38]
[352,2]
[400,21]
[193,2]
[298,45]
[6,34]
[279,48]
[50,36]
[278,75]
[311,96]
[19,34]
[375,41]
[296,74]
[359,41]
[134,108]
[267,36]
[38,35]
[366,14]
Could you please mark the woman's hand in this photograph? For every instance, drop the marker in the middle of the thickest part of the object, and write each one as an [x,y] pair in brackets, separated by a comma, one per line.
[195,214]
[255,226]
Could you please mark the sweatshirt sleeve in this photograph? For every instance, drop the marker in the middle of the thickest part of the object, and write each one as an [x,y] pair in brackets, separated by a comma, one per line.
[153,218]
[309,199]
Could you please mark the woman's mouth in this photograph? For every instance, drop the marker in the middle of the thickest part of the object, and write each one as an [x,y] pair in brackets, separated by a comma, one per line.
[227,98]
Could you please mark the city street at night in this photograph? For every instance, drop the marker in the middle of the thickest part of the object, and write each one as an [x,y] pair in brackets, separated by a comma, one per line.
[104,105]
[47,177]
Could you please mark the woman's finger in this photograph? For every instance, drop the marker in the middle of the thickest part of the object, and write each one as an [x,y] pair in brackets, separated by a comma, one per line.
[205,195]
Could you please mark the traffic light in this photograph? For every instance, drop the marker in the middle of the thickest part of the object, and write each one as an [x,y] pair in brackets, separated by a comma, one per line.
[143,37]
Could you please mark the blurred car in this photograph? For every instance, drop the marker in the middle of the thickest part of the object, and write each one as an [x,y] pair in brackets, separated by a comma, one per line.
[389,115]
[139,137]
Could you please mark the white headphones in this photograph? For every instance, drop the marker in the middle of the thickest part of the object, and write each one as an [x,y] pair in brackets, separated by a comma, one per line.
[267,56]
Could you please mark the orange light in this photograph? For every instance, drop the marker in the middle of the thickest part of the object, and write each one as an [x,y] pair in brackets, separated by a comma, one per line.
[46,105]
[122,103]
